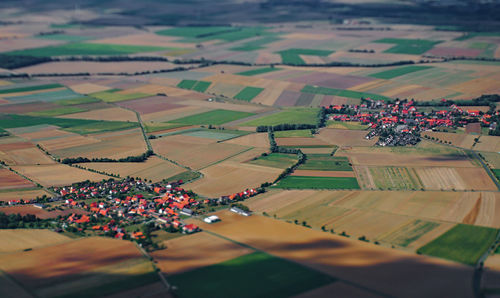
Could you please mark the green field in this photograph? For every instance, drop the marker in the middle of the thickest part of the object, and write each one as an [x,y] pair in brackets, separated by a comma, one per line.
[77,101]
[48,96]
[462,243]
[109,96]
[343,93]
[215,117]
[30,88]
[292,56]
[302,133]
[392,73]
[216,134]
[254,275]
[200,86]
[325,162]
[57,112]
[248,93]
[347,125]
[74,125]
[65,37]
[77,49]
[225,33]
[184,176]
[257,71]
[302,182]
[157,126]
[276,160]
[256,44]
[497,173]
[290,115]
[408,46]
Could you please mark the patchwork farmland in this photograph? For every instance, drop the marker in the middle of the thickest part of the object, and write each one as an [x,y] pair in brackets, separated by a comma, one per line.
[342,155]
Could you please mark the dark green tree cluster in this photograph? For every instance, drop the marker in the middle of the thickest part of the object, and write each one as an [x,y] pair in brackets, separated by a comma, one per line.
[15,221]
[139,158]
[18,61]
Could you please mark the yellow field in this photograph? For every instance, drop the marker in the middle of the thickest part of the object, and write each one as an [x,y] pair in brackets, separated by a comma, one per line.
[20,239]
[154,168]
[58,174]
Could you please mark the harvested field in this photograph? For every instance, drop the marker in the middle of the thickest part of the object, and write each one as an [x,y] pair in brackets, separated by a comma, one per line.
[10,180]
[183,254]
[28,156]
[150,104]
[251,140]
[342,137]
[195,152]
[407,156]
[301,142]
[456,139]
[112,145]
[84,267]
[377,269]
[87,88]
[154,168]
[488,143]
[229,177]
[21,239]
[22,194]
[459,178]
[57,175]
[111,114]
[331,80]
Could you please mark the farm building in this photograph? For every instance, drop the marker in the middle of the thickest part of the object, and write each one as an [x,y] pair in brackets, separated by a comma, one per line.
[240,211]
[211,219]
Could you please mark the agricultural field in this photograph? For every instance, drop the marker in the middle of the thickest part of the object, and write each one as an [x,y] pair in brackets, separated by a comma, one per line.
[291,116]
[257,71]
[215,117]
[325,162]
[408,46]
[310,182]
[57,174]
[339,257]
[17,194]
[407,220]
[463,243]
[275,160]
[250,275]
[86,49]
[88,267]
[10,180]
[22,239]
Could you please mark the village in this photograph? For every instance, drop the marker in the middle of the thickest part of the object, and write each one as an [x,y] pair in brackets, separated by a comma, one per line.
[109,208]
[400,123]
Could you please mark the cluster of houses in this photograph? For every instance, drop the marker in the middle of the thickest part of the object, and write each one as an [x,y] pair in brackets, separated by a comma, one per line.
[400,123]
[123,204]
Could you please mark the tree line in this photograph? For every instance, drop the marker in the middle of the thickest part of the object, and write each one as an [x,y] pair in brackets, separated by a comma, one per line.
[139,158]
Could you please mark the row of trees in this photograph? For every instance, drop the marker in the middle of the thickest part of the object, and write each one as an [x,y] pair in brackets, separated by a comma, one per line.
[139,158]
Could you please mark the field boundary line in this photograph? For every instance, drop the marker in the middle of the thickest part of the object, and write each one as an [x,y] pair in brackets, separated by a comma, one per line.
[151,260]
[229,157]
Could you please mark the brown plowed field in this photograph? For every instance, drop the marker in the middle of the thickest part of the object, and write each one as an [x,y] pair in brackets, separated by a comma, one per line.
[343,137]
[9,180]
[374,268]
[251,140]
[183,254]
[40,213]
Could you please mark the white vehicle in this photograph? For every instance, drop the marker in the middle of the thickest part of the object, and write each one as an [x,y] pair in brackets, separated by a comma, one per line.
[211,219]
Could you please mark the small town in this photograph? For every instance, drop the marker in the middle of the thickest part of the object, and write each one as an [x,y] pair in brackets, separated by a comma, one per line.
[400,123]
